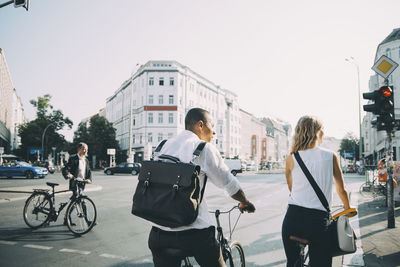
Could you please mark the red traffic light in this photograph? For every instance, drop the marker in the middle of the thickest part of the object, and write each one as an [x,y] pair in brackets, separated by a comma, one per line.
[386,91]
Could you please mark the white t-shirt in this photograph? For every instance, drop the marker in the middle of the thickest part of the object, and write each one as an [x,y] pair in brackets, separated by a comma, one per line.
[319,162]
[211,164]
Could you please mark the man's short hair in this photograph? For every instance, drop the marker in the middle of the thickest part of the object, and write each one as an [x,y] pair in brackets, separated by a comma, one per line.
[194,116]
[81,144]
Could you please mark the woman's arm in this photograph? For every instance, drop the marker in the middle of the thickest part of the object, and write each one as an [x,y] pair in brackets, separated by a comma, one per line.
[288,171]
[339,182]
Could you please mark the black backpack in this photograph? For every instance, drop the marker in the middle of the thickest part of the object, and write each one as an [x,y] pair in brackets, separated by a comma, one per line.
[168,193]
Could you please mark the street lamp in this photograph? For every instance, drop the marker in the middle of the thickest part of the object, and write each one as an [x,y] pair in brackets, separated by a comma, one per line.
[354,62]
[44,132]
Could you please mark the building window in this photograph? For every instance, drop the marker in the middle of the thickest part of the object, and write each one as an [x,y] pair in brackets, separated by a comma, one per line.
[160,137]
[150,99]
[150,137]
[134,121]
[151,81]
[170,135]
[133,139]
[140,139]
[171,100]
[388,53]
[171,81]
[150,117]
[160,99]
[161,81]
[171,118]
[160,118]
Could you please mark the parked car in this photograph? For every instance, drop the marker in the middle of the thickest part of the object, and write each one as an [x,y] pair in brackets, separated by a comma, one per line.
[132,168]
[251,166]
[235,165]
[21,168]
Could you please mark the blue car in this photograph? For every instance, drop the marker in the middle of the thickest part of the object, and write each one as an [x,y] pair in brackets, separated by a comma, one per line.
[21,168]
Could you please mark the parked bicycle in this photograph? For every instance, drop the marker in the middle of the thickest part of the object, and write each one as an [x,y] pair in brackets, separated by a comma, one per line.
[81,212]
[374,188]
[303,243]
[232,251]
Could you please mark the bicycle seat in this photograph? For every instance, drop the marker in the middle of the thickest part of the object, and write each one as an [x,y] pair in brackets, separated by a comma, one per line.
[299,239]
[176,252]
[51,184]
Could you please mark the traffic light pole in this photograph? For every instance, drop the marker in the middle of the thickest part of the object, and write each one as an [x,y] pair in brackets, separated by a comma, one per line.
[390,188]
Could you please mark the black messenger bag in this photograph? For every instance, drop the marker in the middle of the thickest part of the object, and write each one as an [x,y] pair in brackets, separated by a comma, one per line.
[168,193]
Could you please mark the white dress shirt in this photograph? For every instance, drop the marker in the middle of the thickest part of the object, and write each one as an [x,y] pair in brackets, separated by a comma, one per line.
[81,167]
[211,164]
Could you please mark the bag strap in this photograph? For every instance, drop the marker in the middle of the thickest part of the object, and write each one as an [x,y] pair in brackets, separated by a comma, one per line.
[314,184]
[158,148]
[197,153]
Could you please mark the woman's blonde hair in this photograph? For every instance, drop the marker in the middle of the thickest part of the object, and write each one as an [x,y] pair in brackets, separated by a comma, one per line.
[305,134]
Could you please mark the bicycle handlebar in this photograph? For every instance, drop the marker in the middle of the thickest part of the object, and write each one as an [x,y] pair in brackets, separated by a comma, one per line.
[227,211]
[349,213]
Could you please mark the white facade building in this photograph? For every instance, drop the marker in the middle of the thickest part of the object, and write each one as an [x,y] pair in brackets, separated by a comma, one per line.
[151,106]
[11,110]
[374,141]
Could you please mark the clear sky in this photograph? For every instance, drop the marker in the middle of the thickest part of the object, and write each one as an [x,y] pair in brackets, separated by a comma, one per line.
[282,58]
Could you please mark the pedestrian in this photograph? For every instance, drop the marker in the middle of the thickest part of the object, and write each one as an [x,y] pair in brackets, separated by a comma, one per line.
[77,167]
[197,238]
[306,217]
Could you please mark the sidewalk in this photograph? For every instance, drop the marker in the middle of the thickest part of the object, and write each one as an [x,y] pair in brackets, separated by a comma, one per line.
[377,245]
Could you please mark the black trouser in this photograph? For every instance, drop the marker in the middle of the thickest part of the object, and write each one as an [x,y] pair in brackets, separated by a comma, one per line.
[310,224]
[199,243]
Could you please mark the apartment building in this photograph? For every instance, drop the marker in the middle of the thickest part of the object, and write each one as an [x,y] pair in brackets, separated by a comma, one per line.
[151,105]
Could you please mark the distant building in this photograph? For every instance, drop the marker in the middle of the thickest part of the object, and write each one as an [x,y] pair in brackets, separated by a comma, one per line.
[11,110]
[151,106]
[278,140]
[253,138]
[374,141]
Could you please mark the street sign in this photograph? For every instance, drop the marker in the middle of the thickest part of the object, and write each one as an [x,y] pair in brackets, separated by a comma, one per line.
[384,66]
[111,151]
[349,155]
[33,151]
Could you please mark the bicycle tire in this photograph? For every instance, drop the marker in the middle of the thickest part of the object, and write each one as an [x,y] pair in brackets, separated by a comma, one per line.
[39,205]
[81,215]
[236,255]
[367,190]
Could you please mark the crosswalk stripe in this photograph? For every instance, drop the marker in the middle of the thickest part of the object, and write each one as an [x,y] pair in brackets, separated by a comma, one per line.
[75,251]
[37,247]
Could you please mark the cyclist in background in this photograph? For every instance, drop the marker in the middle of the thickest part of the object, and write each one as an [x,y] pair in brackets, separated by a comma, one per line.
[77,167]
[305,216]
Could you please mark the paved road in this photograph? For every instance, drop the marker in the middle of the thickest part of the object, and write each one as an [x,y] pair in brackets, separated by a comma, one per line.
[120,239]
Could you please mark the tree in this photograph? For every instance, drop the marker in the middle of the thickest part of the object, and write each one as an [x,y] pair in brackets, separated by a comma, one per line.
[31,132]
[349,143]
[99,136]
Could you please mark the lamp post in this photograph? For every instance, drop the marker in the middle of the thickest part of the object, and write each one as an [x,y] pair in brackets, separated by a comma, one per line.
[354,62]
[44,132]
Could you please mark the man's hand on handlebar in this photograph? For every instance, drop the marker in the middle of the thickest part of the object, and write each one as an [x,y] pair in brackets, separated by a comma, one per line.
[247,206]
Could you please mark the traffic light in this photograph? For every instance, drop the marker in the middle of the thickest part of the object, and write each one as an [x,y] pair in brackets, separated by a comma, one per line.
[387,107]
[23,3]
[383,106]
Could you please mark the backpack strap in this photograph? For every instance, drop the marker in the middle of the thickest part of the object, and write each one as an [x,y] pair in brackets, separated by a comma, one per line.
[197,153]
[160,146]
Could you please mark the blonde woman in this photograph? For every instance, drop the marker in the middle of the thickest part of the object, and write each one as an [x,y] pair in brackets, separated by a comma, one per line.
[306,217]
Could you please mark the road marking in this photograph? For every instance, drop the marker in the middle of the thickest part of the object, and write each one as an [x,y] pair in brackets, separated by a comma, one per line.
[82,252]
[7,242]
[37,247]
[110,256]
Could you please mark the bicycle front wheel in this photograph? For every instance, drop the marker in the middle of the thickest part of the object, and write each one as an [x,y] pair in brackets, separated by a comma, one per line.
[367,190]
[236,255]
[37,210]
[81,215]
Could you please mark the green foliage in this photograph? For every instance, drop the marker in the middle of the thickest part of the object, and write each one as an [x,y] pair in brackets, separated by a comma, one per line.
[99,136]
[349,143]
[31,132]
